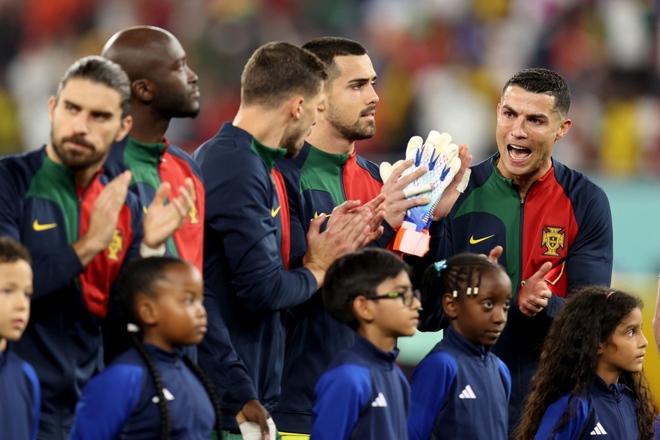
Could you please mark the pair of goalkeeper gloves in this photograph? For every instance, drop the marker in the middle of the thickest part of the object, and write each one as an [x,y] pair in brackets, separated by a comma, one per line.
[440,156]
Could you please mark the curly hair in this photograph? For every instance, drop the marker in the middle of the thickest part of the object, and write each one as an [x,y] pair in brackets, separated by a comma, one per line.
[570,358]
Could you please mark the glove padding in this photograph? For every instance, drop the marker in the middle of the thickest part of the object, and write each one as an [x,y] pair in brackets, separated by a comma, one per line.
[440,156]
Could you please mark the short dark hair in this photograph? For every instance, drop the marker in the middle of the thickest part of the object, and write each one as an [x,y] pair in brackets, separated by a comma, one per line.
[358,273]
[540,80]
[103,71]
[328,48]
[276,70]
[12,250]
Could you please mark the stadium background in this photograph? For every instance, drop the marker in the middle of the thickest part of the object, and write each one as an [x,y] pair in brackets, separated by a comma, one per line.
[441,64]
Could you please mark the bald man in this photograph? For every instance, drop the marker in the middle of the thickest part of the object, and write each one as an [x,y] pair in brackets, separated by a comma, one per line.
[162,87]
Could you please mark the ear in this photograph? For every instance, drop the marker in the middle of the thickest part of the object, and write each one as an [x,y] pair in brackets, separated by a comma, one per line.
[146,310]
[563,129]
[143,89]
[601,348]
[126,125]
[321,106]
[52,103]
[296,106]
[450,306]
[363,309]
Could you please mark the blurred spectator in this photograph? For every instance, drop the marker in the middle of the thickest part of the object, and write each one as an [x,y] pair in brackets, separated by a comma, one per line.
[440,63]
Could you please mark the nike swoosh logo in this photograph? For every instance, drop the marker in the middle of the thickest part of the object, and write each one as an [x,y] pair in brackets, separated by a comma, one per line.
[37,227]
[273,212]
[479,240]
[316,215]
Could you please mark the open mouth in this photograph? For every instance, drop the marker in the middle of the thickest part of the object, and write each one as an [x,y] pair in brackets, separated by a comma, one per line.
[517,153]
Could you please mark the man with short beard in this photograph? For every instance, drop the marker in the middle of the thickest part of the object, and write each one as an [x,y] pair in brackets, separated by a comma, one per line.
[247,237]
[327,172]
[80,227]
[163,87]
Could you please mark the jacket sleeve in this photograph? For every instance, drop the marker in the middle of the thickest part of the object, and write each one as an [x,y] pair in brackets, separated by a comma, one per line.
[107,402]
[340,394]
[431,382]
[36,396]
[554,414]
[221,363]
[239,210]
[589,259]
[55,267]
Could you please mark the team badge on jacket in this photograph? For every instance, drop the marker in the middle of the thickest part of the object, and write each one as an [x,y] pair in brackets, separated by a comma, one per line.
[553,239]
[116,245]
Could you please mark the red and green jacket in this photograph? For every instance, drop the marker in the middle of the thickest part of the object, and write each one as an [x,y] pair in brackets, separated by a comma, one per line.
[564,218]
[153,164]
[41,206]
[323,181]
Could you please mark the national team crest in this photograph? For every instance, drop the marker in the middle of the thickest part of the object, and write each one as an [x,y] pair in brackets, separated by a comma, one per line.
[553,239]
[116,245]
[193,215]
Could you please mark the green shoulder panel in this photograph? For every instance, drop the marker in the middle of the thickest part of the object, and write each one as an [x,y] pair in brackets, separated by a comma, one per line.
[323,172]
[47,184]
[142,159]
[267,154]
[498,197]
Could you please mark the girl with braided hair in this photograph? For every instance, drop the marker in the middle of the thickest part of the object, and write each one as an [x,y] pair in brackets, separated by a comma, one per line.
[153,390]
[590,380]
[460,390]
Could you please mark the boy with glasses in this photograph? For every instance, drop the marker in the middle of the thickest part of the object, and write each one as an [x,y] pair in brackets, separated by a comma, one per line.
[363,394]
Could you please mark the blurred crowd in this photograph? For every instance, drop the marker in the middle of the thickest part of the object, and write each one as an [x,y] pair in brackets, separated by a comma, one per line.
[440,64]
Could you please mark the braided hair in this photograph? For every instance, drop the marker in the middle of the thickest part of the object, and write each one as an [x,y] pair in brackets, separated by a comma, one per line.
[140,277]
[569,359]
[457,276]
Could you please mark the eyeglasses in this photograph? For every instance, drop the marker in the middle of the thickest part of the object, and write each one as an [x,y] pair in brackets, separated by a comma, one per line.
[407,297]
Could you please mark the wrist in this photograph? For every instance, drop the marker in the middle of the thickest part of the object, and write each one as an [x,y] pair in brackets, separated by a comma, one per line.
[149,251]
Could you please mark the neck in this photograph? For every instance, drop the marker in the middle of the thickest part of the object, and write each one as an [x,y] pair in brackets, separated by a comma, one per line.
[153,339]
[609,374]
[384,342]
[265,125]
[80,177]
[326,138]
[3,345]
[148,126]
[523,183]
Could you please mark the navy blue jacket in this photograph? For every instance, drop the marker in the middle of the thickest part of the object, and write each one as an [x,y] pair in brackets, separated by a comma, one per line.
[362,396]
[313,337]
[604,413]
[20,398]
[121,402]
[41,207]
[245,282]
[459,391]
[564,218]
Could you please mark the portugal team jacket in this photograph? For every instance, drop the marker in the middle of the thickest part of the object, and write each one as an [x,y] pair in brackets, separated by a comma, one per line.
[151,165]
[564,219]
[603,413]
[41,207]
[246,249]
[122,401]
[459,391]
[20,397]
[363,395]
[324,181]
